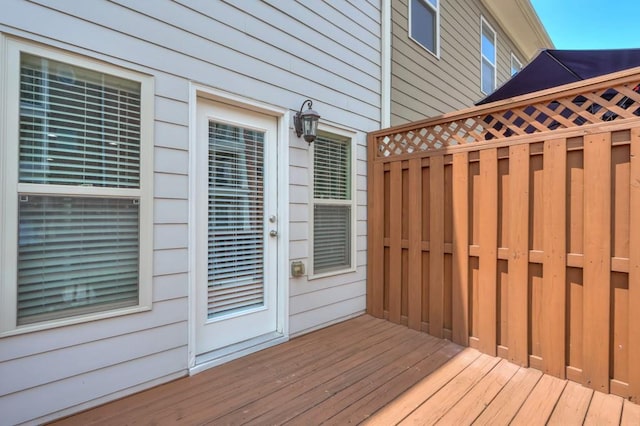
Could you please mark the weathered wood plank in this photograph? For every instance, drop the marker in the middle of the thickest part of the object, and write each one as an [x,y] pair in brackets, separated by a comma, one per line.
[480,396]
[415,245]
[436,246]
[604,410]
[488,250]
[287,403]
[395,389]
[597,256]
[439,404]
[507,403]
[572,406]
[414,397]
[460,272]
[555,258]
[518,306]
[540,402]
[630,414]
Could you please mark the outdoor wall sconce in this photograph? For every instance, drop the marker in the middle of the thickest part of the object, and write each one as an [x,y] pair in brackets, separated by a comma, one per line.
[306,123]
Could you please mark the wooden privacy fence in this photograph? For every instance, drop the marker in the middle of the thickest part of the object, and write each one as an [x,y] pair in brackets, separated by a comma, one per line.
[515,228]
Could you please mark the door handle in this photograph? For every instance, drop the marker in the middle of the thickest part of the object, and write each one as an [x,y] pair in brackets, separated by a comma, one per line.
[273,233]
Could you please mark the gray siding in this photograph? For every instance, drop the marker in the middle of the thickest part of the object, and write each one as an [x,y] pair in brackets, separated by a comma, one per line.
[425,86]
[279,52]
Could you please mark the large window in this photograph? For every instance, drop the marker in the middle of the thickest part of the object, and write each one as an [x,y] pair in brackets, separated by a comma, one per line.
[488,57]
[424,23]
[333,205]
[77,194]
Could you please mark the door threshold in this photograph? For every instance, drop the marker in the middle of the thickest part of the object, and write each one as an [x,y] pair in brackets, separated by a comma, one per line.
[235,351]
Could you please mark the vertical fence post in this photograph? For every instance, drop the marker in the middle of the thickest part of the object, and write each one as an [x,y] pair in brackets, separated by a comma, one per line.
[597,260]
[395,242]
[436,246]
[518,304]
[415,245]
[460,261]
[375,231]
[634,269]
[488,235]
[555,258]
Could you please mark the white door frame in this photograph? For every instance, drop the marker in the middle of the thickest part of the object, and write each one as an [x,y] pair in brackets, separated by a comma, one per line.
[197,91]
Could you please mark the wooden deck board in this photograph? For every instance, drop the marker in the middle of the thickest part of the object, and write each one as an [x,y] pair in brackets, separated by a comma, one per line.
[433,409]
[506,404]
[414,397]
[386,394]
[630,414]
[540,402]
[478,398]
[605,409]
[365,371]
[572,406]
[348,399]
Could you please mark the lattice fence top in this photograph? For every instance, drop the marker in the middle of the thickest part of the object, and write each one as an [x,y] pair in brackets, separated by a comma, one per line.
[566,109]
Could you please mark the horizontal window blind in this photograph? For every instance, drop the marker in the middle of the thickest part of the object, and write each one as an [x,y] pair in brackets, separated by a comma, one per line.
[331,237]
[236,228]
[77,126]
[76,256]
[332,233]
[332,168]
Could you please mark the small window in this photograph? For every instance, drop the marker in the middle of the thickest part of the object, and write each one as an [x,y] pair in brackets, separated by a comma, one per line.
[516,65]
[333,205]
[488,58]
[424,22]
[77,190]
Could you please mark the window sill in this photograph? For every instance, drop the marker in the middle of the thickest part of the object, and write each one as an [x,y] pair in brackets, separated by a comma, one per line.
[331,273]
[426,49]
[30,328]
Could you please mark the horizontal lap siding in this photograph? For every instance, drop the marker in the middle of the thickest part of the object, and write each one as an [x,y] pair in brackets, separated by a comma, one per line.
[544,252]
[425,86]
[259,52]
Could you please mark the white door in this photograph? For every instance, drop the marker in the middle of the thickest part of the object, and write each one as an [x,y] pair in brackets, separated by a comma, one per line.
[236,226]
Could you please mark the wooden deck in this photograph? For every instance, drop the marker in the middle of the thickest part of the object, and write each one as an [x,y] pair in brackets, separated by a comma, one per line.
[369,371]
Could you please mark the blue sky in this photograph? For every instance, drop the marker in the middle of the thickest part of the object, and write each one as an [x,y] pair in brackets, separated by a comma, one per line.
[591,24]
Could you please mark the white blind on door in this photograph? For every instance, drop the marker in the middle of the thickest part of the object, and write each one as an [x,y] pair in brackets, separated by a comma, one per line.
[75,255]
[77,126]
[236,228]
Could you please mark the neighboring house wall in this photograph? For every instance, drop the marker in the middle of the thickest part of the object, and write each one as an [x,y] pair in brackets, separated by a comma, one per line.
[424,85]
[271,52]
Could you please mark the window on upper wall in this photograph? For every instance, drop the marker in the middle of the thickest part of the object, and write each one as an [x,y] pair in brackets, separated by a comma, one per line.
[487,57]
[333,205]
[424,23]
[516,65]
[77,194]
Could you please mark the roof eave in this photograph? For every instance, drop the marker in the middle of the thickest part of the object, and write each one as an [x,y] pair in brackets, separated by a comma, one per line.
[521,23]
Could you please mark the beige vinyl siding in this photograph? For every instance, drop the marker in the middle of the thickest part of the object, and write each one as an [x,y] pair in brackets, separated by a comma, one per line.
[276,52]
[425,86]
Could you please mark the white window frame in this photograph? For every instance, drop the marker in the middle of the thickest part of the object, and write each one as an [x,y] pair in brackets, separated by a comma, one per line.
[351,135]
[436,10]
[10,50]
[515,60]
[483,23]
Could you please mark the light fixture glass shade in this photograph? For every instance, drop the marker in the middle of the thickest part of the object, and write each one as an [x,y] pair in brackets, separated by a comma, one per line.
[306,123]
[310,125]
